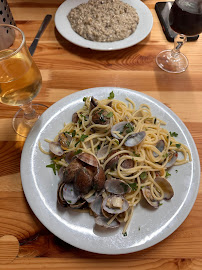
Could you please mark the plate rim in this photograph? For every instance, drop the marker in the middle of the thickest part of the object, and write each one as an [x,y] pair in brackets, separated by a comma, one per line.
[110,46]
[128,249]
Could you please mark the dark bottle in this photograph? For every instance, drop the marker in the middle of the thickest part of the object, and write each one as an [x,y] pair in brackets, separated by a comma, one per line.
[186,17]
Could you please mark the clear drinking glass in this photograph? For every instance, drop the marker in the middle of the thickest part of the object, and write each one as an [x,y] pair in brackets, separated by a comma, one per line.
[186,19]
[20,79]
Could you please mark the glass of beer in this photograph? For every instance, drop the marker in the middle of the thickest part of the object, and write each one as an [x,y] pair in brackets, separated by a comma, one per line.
[185,18]
[20,79]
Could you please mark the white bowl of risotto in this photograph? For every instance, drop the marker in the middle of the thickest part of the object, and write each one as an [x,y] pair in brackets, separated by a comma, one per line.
[105,34]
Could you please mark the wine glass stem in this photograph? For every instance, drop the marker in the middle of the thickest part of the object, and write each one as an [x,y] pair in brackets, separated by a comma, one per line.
[178,43]
[30,115]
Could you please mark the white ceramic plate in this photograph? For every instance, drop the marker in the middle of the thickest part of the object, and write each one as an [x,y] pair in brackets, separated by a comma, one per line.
[64,28]
[148,227]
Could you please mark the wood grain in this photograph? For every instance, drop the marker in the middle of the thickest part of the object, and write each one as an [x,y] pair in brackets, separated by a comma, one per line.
[66,69]
[9,248]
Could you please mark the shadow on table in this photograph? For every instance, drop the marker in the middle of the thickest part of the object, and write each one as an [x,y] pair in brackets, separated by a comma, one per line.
[96,55]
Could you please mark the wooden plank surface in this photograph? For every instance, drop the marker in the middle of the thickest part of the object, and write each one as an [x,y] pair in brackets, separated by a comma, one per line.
[65,69]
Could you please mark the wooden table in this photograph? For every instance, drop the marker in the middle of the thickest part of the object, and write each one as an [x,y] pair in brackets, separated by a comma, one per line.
[66,69]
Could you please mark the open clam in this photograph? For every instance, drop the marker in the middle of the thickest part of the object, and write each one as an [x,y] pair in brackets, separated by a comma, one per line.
[117,186]
[64,139]
[56,149]
[173,155]
[135,139]
[103,222]
[67,194]
[166,187]
[146,191]
[118,128]
[115,204]
[99,117]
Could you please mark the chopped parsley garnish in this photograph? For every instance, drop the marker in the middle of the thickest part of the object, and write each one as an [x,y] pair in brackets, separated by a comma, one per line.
[168,174]
[77,152]
[83,137]
[110,114]
[128,127]
[133,186]
[143,175]
[173,134]
[165,155]
[125,234]
[69,201]
[98,147]
[73,133]
[178,145]
[111,95]
[84,99]
[160,204]
[171,143]
[139,229]
[54,166]
[136,155]
[176,171]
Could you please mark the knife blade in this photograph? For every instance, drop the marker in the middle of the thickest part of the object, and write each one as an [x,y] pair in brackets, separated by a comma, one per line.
[39,33]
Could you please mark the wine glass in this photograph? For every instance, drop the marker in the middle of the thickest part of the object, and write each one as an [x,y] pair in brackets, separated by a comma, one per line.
[185,18]
[20,79]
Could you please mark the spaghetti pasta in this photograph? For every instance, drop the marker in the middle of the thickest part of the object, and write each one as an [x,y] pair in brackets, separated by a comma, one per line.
[138,164]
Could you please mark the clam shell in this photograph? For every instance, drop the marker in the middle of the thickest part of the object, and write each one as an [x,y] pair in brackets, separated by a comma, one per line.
[125,205]
[117,186]
[96,206]
[83,180]
[135,139]
[118,127]
[70,195]
[149,198]
[75,117]
[102,221]
[56,149]
[70,171]
[60,198]
[93,103]
[160,146]
[166,187]
[78,204]
[173,155]
[102,152]
[88,159]
[64,139]
[99,179]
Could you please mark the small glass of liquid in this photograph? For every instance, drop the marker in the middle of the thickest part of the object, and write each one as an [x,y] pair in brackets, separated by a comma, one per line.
[20,79]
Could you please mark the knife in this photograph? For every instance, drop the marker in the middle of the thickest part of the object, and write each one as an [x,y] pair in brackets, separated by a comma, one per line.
[40,32]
